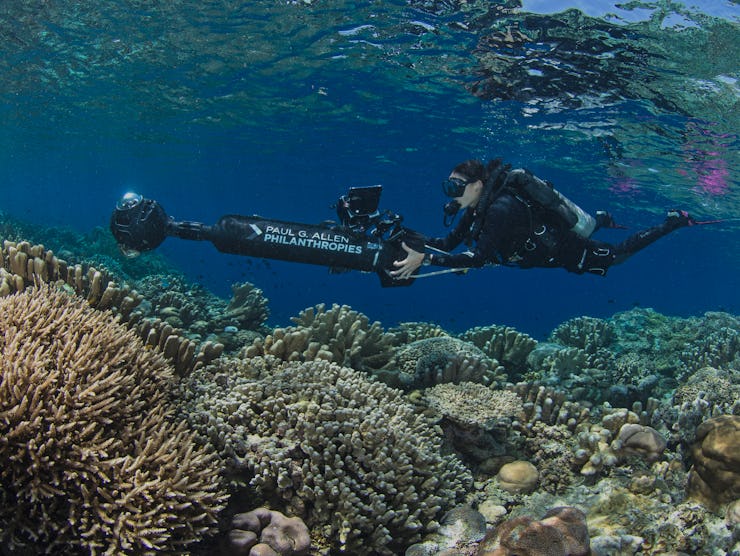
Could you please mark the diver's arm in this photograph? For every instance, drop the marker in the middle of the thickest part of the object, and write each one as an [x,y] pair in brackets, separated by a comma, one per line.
[456,236]
[487,247]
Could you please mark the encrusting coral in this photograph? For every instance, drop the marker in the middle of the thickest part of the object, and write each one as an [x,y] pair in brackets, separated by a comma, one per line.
[561,532]
[325,443]
[92,457]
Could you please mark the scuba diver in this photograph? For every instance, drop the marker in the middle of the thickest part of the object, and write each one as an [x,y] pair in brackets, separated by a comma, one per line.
[513,218]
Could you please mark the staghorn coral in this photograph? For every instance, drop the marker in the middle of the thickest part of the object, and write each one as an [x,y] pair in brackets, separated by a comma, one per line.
[439,360]
[91,456]
[505,344]
[184,354]
[549,406]
[23,264]
[340,335]
[324,443]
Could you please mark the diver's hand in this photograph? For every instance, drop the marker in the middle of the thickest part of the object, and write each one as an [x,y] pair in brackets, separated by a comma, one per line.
[406,267]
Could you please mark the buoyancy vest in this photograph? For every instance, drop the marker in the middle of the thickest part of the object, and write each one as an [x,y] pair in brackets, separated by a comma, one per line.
[544,202]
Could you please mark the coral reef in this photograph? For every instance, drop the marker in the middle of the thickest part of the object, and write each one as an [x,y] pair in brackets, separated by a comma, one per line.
[439,360]
[199,314]
[325,443]
[23,265]
[92,457]
[586,333]
[458,535]
[340,335]
[264,532]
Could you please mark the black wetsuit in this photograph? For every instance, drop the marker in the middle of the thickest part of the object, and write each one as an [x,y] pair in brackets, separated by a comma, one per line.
[513,231]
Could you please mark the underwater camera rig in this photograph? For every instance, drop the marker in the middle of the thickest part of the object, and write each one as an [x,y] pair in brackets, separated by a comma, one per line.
[365,239]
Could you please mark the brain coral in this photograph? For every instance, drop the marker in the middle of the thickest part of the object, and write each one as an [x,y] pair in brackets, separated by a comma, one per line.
[91,457]
[325,443]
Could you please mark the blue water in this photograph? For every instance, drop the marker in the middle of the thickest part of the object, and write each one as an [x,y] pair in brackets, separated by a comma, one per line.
[276,108]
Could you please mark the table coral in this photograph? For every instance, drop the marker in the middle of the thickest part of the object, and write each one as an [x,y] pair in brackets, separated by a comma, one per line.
[92,458]
[348,455]
[476,418]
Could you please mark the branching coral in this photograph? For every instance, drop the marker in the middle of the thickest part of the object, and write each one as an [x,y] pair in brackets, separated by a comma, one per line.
[586,333]
[407,332]
[340,335]
[91,455]
[22,265]
[198,312]
[506,345]
[325,443]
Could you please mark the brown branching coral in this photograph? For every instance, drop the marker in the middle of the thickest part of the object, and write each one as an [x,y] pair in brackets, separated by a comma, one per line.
[503,343]
[92,458]
[340,335]
[23,265]
[407,332]
[586,333]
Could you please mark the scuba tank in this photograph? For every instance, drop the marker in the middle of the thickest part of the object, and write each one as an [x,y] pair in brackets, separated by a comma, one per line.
[550,199]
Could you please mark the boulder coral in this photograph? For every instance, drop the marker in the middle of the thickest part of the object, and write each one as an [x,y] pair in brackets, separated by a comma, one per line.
[325,443]
[92,457]
[714,478]
[264,532]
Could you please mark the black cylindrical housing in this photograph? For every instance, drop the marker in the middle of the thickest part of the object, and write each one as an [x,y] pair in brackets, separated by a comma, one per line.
[255,236]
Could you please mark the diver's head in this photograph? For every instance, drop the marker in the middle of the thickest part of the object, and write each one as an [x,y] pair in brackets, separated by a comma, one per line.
[464,186]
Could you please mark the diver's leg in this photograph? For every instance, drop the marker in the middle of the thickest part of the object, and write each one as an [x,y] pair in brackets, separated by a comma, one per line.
[674,220]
